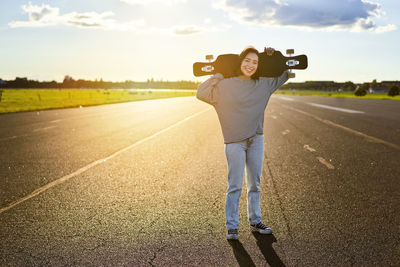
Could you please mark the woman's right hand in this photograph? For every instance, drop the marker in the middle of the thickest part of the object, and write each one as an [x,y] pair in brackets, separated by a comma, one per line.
[269,51]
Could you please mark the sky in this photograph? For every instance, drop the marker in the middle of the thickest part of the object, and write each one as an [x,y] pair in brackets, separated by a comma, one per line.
[118,40]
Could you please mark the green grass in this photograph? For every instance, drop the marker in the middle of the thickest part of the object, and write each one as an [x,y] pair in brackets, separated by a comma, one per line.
[16,100]
[336,94]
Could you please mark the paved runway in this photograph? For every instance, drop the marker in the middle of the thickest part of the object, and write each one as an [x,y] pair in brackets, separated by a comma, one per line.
[143,183]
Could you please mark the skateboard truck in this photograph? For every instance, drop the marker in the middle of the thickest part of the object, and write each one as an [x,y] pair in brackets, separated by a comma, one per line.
[291,63]
[209,58]
[208,68]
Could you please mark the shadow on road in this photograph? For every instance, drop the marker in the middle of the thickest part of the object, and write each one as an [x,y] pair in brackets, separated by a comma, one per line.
[264,242]
[241,255]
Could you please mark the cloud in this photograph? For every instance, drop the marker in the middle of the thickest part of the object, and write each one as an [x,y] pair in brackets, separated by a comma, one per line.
[147,2]
[46,15]
[190,29]
[387,28]
[187,29]
[89,19]
[311,14]
[38,16]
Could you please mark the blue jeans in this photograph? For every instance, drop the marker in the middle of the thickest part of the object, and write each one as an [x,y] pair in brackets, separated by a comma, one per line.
[250,154]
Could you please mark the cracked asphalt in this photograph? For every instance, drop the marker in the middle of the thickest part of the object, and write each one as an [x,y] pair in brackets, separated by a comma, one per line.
[161,202]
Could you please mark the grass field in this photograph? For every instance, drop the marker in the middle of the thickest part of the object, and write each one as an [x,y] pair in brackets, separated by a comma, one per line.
[16,100]
[336,94]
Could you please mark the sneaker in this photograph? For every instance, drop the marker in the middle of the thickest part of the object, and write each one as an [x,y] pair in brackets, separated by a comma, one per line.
[261,228]
[232,234]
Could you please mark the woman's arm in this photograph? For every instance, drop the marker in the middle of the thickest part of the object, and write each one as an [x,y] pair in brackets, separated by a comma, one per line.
[205,92]
[275,83]
[279,81]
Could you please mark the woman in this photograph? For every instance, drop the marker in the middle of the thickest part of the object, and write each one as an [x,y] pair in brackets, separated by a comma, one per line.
[240,103]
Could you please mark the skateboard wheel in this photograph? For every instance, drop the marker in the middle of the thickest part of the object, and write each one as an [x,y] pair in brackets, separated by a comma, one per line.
[209,57]
[289,51]
[291,75]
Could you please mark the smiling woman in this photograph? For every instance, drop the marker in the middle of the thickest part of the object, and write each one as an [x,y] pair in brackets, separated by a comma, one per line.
[240,103]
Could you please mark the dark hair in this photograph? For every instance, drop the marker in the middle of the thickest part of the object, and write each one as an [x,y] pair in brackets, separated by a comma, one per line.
[242,56]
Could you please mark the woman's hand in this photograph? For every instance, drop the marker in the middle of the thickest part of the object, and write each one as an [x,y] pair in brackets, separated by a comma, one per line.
[269,50]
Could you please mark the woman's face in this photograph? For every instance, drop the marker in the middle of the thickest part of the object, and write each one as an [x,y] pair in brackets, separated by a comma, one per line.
[249,65]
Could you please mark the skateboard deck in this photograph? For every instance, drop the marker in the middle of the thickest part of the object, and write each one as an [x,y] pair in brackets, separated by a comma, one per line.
[268,66]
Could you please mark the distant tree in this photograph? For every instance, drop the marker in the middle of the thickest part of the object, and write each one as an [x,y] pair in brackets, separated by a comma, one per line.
[374,84]
[362,89]
[349,86]
[394,90]
[68,82]
[67,78]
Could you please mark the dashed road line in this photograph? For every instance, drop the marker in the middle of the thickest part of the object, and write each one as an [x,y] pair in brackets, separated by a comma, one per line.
[309,148]
[336,108]
[43,129]
[95,163]
[286,98]
[328,122]
[326,163]
[320,159]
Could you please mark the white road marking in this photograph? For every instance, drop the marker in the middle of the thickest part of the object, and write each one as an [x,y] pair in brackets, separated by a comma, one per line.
[285,132]
[335,108]
[95,163]
[309,148]
[55,121]
[328,122]
[45,128]
[327,164]
[286,98]
[274,117]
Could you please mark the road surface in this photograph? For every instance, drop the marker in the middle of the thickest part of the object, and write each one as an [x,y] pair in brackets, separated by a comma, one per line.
[143,183]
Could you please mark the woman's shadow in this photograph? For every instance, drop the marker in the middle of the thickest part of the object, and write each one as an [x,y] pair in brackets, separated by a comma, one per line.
[264,242]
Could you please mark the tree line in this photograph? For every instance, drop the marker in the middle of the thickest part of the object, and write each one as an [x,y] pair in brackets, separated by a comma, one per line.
[70,82]
[392,87]
[361,89]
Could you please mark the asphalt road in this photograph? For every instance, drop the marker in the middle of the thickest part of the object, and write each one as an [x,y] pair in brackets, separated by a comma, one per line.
[143,183]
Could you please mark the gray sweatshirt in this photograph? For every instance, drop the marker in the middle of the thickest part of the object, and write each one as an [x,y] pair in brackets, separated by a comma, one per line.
[240,103]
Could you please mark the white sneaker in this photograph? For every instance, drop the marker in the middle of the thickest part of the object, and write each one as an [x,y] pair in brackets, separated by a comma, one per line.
[232,234]
[261,228]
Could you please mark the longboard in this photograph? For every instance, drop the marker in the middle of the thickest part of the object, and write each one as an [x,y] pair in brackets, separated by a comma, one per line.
[268,66]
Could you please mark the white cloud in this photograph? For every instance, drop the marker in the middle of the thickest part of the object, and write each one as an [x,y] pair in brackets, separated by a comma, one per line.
[148,2]
[387,28]
[38,16]
[46,15]
[187,29]
[89,19]
[207,21]
[311,14]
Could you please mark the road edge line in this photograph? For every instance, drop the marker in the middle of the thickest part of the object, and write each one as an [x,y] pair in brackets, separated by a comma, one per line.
[368,137]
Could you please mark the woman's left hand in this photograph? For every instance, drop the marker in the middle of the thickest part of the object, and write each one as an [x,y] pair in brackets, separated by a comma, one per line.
[269,50]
